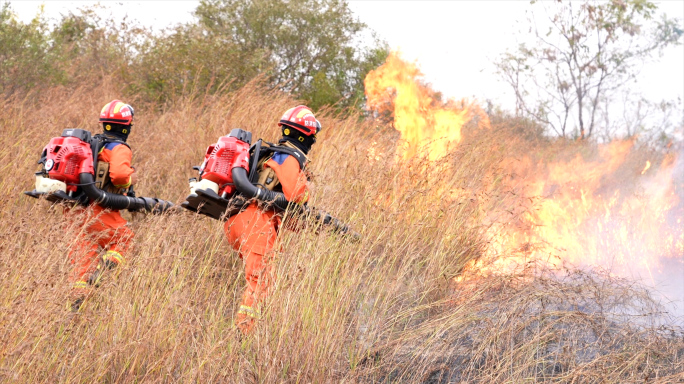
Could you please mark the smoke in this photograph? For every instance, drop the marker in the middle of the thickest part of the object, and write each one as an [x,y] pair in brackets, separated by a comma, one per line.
[646,230]
[670,283]
[617,207]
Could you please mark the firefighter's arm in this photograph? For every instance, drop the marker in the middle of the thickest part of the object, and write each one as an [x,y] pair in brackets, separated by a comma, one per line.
[292,180]
[120,171]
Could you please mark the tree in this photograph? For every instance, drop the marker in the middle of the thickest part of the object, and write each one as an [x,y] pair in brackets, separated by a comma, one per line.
[79,48]
[25,55]
[310,48]
[91,46]
[314,49]
[187,61]
[589,50]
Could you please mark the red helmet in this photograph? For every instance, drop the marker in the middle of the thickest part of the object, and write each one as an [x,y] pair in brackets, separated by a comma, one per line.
[117,112]
[302,119]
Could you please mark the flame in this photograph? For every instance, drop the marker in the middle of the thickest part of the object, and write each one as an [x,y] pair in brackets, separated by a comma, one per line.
[589,206]
[396,88]
[589,212]
[648,165]
[372,153]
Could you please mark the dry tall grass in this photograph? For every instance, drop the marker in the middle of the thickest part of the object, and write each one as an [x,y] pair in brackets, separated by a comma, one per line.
[386,309]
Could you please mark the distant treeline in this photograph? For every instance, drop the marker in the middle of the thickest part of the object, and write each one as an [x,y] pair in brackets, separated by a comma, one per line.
[314,49]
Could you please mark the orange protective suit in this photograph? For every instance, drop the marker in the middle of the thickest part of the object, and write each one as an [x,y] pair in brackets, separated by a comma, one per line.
[253,233]
[102,228]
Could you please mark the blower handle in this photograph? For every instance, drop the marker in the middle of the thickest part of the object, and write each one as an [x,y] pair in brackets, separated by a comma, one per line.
[130,192]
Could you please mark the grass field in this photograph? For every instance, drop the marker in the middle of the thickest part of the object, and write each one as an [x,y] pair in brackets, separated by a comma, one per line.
[397,306]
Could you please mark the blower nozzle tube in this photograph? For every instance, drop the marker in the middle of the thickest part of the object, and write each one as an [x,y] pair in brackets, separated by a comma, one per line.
[114,201]
[327,220]
[249,190]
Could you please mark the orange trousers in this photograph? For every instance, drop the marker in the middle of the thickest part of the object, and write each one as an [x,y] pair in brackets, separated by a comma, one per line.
[253,233]
[101,229]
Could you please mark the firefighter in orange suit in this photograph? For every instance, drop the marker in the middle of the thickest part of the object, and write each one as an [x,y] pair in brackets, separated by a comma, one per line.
[104,229]
[254,231]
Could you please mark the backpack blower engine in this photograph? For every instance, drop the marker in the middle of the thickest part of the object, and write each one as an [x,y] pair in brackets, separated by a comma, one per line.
[222,173]
[68,175]
[227,180]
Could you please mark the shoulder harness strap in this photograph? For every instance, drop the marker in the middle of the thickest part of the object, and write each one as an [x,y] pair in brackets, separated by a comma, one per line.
[104,140]
[292,151]
[262,151]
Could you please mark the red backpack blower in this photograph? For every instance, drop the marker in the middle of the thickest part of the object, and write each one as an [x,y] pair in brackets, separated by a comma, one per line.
[68,175]
[223,181]
[227,180]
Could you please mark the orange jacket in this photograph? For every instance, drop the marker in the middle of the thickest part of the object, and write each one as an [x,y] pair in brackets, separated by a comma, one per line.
[292,179]
[119,157]
[254,230]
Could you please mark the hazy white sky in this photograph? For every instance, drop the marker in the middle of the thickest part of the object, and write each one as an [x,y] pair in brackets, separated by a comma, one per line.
[454,42]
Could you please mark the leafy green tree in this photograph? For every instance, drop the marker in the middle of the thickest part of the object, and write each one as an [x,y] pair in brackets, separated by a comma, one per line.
[92,47]
[25,56]
[80,48]
[590,50]
[188,61]
[310,48]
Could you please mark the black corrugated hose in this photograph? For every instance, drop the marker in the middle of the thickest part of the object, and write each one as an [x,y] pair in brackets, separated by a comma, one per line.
[114,201]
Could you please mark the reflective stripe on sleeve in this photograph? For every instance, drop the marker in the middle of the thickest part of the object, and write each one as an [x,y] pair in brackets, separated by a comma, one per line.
[125,185]
[114,257]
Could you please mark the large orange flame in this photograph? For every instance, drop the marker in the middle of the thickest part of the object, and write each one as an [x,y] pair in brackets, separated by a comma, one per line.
[591,205]
[423,121]
[601,212]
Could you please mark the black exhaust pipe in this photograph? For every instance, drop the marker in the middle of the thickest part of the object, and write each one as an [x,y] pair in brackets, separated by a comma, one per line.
[114,201]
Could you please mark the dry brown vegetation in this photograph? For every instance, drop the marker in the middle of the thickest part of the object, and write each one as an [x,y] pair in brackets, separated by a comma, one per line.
[385,309]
